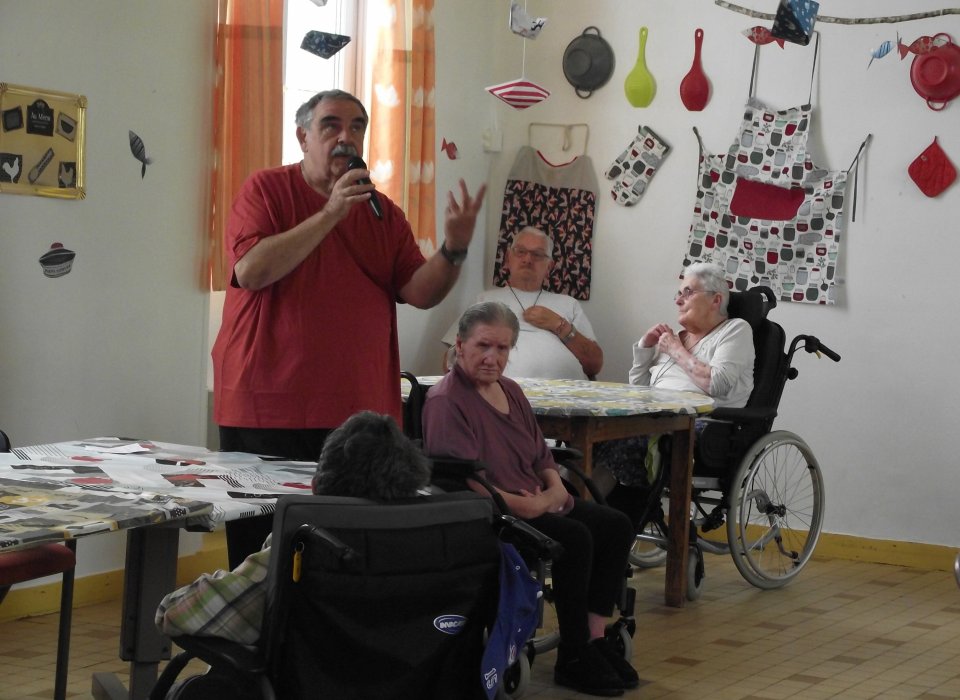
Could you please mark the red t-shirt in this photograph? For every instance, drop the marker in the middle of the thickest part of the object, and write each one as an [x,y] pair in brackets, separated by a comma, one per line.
[320,344]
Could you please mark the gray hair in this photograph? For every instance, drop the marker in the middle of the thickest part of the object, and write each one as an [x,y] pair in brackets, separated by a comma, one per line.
[305,111]
[711,278]
[369,457]
[533,230]
[488,313]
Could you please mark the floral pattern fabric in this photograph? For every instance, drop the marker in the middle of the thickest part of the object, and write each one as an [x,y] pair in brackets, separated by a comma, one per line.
[766,214]
[561,201]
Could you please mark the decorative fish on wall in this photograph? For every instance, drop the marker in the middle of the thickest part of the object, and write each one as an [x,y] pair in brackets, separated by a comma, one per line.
[922,45]
[882,50]
[139,152]
[450,148]
[760,36]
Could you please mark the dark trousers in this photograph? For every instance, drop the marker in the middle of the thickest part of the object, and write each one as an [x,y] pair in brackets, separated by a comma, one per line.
[589,574]
[246,536]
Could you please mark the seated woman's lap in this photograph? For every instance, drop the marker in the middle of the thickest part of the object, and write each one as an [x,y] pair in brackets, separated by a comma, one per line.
[596,541]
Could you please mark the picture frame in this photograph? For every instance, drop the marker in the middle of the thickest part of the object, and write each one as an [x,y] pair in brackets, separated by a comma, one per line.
[42,136]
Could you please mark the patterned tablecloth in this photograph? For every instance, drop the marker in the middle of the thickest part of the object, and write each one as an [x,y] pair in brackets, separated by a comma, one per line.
[580,397]
[70,489]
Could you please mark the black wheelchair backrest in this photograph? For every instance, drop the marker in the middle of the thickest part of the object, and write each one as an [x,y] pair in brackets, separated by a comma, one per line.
[769,339]
[355,585]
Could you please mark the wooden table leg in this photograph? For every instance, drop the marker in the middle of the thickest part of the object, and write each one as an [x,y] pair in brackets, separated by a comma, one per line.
[681,473]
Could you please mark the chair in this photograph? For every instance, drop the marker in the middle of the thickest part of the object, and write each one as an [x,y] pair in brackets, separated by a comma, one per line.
[771,494]
[21,565]
[391,601]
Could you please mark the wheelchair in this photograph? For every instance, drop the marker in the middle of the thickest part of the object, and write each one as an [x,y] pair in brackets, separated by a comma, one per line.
[764,487]
[370,600]
[451,474]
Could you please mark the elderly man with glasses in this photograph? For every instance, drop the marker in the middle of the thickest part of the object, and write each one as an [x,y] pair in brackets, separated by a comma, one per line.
[556,339]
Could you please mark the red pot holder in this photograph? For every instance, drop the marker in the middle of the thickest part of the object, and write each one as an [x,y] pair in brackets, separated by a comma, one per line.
[932,170]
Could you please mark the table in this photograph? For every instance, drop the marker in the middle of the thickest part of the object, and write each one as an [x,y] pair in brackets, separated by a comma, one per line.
[150,489]
[583,413]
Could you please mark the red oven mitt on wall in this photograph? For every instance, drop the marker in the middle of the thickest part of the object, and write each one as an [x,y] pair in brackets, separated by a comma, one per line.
[932,170]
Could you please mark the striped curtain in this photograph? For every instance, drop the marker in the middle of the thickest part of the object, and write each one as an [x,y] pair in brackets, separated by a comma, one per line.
[247,110]
[401,141]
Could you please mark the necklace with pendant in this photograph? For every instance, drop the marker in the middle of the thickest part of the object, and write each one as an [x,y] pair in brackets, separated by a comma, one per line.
[522,307]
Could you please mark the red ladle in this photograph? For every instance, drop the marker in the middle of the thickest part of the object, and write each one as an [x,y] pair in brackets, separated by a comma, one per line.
[695,88]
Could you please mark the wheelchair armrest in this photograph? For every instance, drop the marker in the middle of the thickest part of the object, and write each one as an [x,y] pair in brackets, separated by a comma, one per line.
[527,538]
[219,652]
[563,454]
[741,415]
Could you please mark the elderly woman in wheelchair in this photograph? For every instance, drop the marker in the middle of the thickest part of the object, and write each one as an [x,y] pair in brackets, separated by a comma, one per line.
[475,413]
[712,354]
[765,487]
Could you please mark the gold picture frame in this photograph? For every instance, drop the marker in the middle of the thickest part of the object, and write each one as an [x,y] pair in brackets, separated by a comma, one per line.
[41,142]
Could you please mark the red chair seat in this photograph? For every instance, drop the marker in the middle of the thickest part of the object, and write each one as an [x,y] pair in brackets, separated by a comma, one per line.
[42,560]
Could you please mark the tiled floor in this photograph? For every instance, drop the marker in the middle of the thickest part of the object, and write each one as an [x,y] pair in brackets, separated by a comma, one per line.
[841,630]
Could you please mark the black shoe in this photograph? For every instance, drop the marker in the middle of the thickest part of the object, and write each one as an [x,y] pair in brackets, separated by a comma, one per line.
[586,671]
[627,674]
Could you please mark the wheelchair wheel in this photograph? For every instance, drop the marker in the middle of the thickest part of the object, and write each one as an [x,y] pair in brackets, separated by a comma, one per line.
[619,635]
[695,574]
[516,680]
[649,555]
[776,510]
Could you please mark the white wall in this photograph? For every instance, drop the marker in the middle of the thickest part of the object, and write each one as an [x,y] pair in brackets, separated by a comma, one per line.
[115,347]
[880,422]
[119,345]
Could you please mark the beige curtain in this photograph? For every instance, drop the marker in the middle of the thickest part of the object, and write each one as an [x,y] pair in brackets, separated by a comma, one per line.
[402,142]
[247,111]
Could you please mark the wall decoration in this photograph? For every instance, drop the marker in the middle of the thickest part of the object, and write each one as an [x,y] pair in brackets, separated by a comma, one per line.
[635,167]
[884,48]
[765,212]
[640,86]
[450,148]
[323,44]
[794,20]
[559,200]
[935,74]
[932,170]
[923,44]
[41,142]
[523,24]
[588,62]
[58,261]
[521,93]
[695,88]
[761,36]
[139,152]
[889,19]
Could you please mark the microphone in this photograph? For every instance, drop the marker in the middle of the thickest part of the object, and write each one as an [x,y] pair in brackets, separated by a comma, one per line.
[357,162]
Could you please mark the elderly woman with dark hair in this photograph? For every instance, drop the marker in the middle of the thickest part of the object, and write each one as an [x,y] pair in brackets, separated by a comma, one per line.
[713,354]
[366,457]
[476,413]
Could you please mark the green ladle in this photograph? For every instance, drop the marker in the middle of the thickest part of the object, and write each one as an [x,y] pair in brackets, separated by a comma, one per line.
[640,87]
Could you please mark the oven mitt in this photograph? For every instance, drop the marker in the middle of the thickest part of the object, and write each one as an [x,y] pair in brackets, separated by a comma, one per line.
[932,170]
[635,167]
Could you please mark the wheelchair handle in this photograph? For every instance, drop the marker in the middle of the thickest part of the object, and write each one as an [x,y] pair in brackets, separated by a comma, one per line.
[813,344]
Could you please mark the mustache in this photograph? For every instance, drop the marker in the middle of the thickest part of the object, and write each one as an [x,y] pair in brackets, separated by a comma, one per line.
[344,149]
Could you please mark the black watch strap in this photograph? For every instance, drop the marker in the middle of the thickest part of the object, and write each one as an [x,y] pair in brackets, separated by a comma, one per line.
[453,257]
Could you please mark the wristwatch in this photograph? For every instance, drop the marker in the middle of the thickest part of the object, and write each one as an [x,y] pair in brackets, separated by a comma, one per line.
[454,257]
[569,336]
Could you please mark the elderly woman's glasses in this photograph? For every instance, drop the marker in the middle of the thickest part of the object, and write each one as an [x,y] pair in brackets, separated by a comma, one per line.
[687,293]
[537,255]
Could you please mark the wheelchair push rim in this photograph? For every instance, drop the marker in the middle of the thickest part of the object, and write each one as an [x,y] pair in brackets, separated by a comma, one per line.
[776,510]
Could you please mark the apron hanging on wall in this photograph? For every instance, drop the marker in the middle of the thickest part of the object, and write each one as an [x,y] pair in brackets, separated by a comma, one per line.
[560,200]
[765,212]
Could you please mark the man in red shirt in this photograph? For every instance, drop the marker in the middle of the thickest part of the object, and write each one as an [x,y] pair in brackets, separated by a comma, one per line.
[309,331]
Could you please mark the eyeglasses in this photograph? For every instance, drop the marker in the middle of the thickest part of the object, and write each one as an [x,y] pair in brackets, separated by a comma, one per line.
[687,293]
[535,254]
